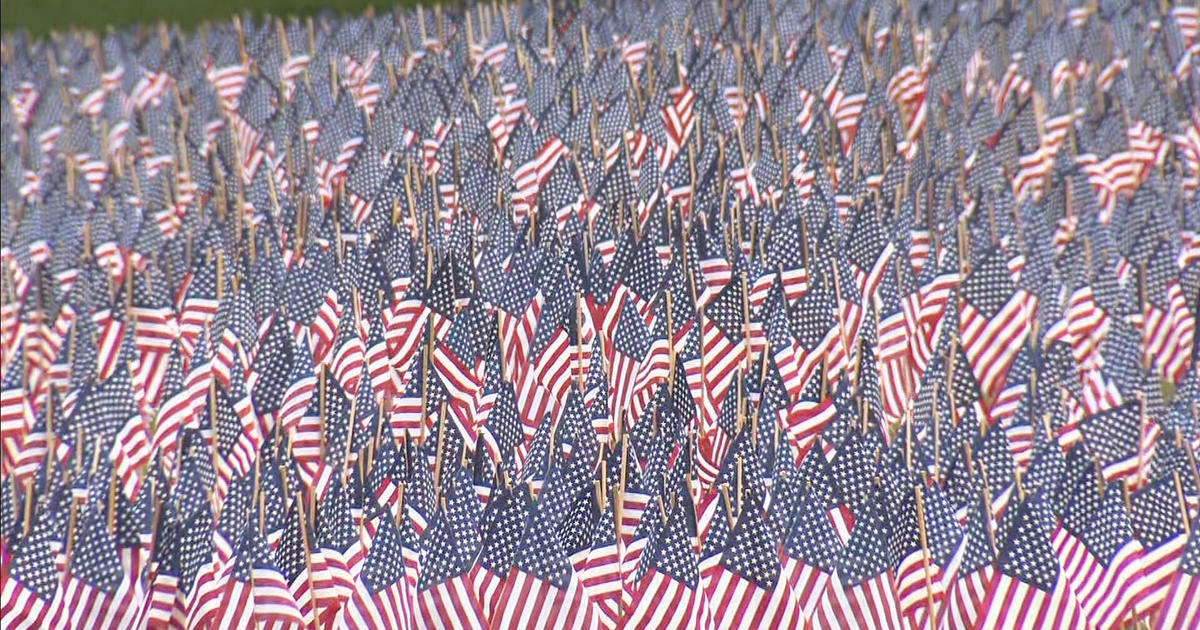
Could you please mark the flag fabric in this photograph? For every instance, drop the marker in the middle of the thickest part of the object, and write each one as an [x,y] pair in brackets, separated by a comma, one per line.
[668,595]
[380,598]
[748,586]
[503,525]
[30,579]
[1029,588]
[1103,561]
[542,586]
[96,592]
[300,568]
[862,593]
[162,582]
[1182,610]
[256,592]
[811,553]
[656,315]
[446,598]
[1162,532]
[973,571]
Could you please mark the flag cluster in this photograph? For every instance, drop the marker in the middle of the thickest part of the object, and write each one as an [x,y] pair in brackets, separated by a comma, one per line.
[684,314]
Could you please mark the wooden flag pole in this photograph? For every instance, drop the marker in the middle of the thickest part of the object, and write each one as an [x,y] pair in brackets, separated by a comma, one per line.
[550,26]
[28,516]
[908,440]
[1183,510]
[730,518]
[281,33]
[70,538]
[1141,278]
[837,292]
[1142,420]
[50,438]
[620,490]
[741,488]
[321,405]
[929,603]
[437,462]
[746,322]
[353,422]
[112,499]
[1191,454]
[579,342]
[307,556]
[987,507]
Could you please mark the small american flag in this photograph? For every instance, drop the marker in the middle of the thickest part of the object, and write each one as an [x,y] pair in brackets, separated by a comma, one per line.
[96,592]
[544,583]
[256,592]
[1029,587]
[446,597]
[380,597]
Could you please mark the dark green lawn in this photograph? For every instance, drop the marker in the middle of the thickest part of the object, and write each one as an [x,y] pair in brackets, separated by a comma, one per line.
[41,16]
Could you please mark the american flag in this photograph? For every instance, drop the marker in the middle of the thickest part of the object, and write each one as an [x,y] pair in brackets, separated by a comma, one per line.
[924,542]
[130,452]
[974,568]
[503,526]
[96,591]
[668,594]
[31,579]
[300,563]
[446,597]
[748,586]
[1159,527]
[722,347]
[993,322]
[162,577]
[341,550]
[1182,611]
[599,567]
[678,315]
[1115,438]
[1102,560]
[630,346]
[1168,325]
[256,592]
[861,589]
[459,370]
[543,579]
[1029,588]
[811,553]
[380,595]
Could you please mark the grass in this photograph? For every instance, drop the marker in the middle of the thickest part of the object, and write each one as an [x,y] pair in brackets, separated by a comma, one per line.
[42,16]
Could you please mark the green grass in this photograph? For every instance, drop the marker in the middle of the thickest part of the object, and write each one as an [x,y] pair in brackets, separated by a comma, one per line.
[41,16]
